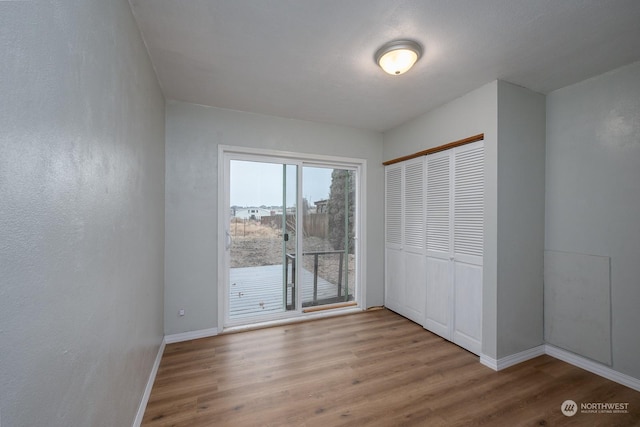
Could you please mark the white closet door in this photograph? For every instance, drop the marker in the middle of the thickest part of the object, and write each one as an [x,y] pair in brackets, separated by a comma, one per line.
[414,227]
[468,231]
[439,298]
[414,240]
[468,201]
[467,327]
[405,262]
[395,293]
[394,260]
[393,206]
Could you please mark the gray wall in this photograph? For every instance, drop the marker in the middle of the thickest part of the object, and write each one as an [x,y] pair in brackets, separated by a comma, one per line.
[593,190]
[521,158]
[193,135]
[81,214]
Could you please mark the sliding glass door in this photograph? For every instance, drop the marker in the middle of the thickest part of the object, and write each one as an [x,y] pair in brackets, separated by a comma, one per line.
[328,256]
[261,238]
[289,229]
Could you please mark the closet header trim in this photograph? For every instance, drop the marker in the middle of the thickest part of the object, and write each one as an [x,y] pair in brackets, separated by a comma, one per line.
[469,140]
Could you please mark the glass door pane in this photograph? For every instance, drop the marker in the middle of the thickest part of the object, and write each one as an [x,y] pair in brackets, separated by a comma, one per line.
[262,238]
[328,256]
[290,227]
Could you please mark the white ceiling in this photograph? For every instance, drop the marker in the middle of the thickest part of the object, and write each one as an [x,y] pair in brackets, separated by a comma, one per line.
[313,59]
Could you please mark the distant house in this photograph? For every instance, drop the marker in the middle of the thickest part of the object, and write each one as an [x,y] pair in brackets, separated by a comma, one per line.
[252,213]
[321,206]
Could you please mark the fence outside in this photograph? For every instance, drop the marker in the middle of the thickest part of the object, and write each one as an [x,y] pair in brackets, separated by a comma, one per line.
[314,224]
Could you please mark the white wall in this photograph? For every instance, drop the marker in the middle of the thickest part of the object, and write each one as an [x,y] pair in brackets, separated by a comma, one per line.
[81,214]
[193,135]
[471,114]
[593,190]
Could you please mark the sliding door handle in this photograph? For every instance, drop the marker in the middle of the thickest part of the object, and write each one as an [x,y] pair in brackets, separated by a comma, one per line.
[229,241]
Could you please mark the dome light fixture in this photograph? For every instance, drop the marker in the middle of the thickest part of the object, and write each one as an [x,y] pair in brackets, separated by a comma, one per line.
[397,57]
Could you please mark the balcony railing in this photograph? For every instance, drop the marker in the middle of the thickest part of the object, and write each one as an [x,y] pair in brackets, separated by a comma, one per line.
[291,258]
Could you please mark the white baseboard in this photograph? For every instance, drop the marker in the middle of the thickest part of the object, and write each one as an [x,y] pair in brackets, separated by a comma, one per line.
[147,390]
[593,367]
[489,362]
[512,359]
[565,356]
[168,339]
[191,335]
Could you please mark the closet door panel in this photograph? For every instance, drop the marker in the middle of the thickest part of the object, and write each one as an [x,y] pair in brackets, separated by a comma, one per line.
[414,226]
[438,315]
[394,265]
[414,239]
[438,298]
[415,286]
[438,195]
[394,279]
[468,203]
[467,330]
[393,206]
[468,244]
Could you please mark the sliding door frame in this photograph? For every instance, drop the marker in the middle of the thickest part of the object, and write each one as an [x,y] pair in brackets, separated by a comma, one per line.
[225,153]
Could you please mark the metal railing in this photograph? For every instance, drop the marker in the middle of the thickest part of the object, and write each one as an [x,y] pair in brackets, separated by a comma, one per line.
[316,254]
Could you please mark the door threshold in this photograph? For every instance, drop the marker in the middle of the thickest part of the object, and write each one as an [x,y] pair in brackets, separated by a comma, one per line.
[330,311]
[329,306]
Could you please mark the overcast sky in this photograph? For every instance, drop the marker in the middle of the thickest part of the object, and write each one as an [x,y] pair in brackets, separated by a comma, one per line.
[257,184]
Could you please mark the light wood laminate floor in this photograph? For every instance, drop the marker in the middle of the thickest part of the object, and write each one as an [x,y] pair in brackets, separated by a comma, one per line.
[370,369]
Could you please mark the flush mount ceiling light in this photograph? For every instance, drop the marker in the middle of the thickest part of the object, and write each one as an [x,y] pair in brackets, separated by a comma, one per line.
[397,57]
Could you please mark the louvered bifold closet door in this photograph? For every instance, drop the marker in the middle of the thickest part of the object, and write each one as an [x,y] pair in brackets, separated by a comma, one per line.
[438,204]
[414,226]
[468,241]
[438,311]
[414,239]
[393,205]
[394,260]
[468,203]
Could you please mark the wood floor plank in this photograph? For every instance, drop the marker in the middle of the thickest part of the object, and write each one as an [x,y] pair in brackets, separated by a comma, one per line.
[375,368]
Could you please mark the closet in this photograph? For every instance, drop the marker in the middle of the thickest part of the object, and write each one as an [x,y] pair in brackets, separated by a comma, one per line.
[405,238]
[434,242]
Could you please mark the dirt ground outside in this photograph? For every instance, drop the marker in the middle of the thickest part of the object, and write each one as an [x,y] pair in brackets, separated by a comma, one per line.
[254,244]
